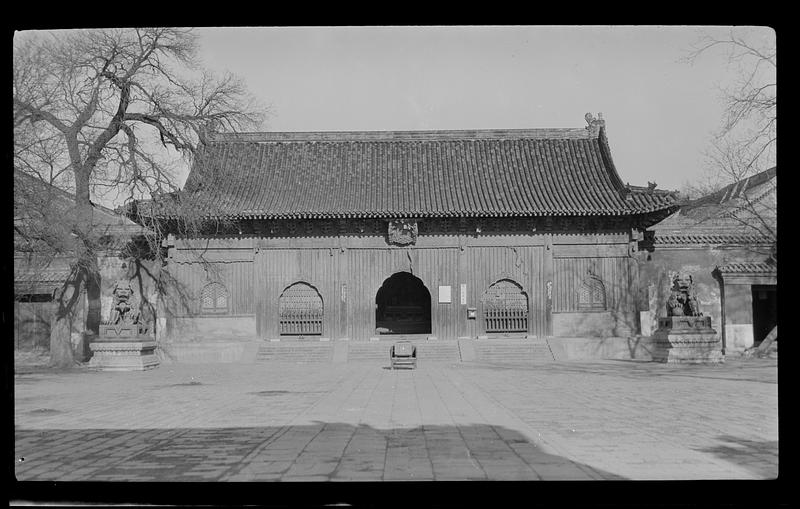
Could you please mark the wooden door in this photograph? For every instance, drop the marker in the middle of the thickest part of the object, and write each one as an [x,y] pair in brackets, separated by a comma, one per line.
[300,311]
[505,308]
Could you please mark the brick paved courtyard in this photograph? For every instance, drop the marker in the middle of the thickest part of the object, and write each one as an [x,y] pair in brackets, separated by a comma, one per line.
[351,422]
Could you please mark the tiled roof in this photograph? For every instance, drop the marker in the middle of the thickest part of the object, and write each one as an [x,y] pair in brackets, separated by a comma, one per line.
[732,192]
[708,238]
[415,174]
[34,192]
[719,218]
[748,268]
[31,276]
[44,276]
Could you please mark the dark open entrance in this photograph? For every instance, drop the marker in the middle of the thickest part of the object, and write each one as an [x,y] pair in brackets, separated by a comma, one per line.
[765,311]
[403,306]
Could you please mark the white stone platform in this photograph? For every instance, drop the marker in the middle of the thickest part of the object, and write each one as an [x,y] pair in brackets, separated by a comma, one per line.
[124,355]
[686,340]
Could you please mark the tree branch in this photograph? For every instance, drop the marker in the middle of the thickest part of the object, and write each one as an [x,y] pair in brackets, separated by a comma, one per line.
[37,114]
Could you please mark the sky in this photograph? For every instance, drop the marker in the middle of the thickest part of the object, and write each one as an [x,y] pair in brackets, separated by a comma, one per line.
[660,110]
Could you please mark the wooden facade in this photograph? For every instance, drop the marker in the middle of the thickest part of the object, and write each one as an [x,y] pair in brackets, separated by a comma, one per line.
[458,270]
[450,234]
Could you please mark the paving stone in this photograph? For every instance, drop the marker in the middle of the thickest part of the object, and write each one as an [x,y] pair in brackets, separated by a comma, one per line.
[593,420]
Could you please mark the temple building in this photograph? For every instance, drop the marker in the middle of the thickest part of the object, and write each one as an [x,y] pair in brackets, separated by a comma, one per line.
[727,241]
[429,235]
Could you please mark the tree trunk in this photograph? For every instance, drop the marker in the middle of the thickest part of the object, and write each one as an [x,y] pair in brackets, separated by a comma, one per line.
[78,309]
[61,354]
[71,313]
[93,312]
[67,313]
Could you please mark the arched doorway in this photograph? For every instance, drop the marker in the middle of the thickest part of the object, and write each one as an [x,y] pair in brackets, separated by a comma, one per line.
[403,306]
[505,308]
[300,311]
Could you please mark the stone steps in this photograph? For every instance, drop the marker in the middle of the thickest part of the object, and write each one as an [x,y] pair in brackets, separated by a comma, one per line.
[439,351]
[511,351]
[295,351]
[505,351]
[373,351]
[427,351]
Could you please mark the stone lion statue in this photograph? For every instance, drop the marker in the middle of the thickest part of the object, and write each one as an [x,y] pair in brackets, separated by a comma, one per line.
[682,300]
[123,312]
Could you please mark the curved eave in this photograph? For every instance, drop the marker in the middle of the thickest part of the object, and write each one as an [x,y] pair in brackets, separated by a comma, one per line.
[605,151]
[658,213]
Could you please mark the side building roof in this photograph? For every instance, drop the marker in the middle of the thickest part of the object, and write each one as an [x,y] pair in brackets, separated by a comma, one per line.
[737,214]
[34,192]
[36,268]
[377,174]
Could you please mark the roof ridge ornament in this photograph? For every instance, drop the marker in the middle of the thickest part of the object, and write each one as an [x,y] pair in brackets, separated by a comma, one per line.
[594,124]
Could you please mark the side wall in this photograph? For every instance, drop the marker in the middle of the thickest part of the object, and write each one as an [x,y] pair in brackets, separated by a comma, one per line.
[738,303]
[736,324]
[32,320]
[32,325]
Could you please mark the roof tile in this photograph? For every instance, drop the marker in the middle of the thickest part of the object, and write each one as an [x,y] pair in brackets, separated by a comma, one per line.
[748,268]
[424,173]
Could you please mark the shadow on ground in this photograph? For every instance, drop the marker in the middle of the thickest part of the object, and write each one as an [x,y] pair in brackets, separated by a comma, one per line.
[764,371]
[314,452]
[760,457]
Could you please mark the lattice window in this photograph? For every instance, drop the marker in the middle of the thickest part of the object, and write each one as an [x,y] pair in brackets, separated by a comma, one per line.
[214,299]
[505,307]
[300,310]
[592,294]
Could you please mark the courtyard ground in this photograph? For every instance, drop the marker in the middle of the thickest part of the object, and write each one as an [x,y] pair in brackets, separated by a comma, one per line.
[275,421]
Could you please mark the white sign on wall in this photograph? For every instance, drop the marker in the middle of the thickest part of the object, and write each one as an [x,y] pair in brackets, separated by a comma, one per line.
[463,294]
[444,295]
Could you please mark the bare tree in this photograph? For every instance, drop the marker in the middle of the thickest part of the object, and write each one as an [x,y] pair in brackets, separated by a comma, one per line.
[113,111]
[746,142]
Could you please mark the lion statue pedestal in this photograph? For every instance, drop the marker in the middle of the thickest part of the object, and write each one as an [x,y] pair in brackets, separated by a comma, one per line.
[124,342]
[685,336]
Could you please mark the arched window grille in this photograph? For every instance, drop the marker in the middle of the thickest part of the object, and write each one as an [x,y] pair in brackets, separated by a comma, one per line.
[214,299]
[505,307]
[300,311]
[592,294]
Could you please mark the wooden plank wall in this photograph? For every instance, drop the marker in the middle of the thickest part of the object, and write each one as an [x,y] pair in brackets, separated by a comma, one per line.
[347,271]
[350,312]
[367,269]
[277,269]
[522,264]
[569,273]
[237,277]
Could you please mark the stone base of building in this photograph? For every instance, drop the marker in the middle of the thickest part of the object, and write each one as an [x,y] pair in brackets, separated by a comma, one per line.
[462,349]
[686,340]
[208,351]
[117,355]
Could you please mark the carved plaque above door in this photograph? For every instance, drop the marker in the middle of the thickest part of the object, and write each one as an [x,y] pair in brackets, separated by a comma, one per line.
[403,232]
